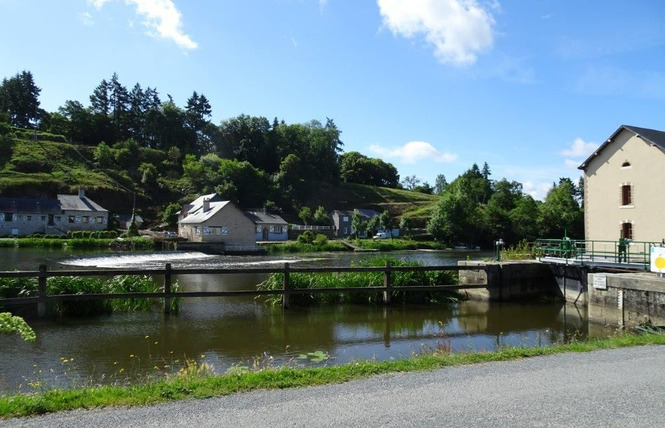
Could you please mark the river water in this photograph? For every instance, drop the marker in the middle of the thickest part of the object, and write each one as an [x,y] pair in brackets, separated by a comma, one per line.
[241,332]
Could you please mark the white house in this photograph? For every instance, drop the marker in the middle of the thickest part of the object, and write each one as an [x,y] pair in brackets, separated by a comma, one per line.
[624,187]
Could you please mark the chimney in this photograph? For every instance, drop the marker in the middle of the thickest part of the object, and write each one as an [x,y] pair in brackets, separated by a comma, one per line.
[81,193]
[206,205]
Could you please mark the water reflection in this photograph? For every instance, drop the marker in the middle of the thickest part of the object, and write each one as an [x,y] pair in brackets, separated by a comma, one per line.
[238,330]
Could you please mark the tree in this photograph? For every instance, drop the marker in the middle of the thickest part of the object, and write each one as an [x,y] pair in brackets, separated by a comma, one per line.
[452,221]
[358,168]
[19,98]
[406,224]
[170,214]
[410,182]
[386,222]
[103,155]
[561,213]
[440,184]
[321,216]
[371,226]
[197,119]
[305,215]
[357,223]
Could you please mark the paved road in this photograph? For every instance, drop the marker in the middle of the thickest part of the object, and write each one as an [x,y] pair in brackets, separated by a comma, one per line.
[621,388]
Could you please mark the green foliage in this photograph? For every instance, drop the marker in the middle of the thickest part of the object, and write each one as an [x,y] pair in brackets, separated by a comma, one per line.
[10,324]
[27,287]
[358,168]
[321,216]
[363,279]
[170,214]
[305,215]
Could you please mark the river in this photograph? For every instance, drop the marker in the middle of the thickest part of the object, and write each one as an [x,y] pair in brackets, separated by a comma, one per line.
[241,332]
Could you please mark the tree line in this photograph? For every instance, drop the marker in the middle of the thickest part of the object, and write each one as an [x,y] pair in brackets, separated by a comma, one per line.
[476,210]
[242,156]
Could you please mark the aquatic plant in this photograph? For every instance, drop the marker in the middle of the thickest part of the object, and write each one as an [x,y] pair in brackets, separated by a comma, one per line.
[363,279]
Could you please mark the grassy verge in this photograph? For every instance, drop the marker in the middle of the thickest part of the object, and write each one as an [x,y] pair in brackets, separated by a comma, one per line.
[195,382]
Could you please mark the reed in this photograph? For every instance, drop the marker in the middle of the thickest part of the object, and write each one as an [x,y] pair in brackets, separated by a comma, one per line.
[120,284]
[363,279]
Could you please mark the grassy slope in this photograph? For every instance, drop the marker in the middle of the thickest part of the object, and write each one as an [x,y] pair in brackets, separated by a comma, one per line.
[348,196]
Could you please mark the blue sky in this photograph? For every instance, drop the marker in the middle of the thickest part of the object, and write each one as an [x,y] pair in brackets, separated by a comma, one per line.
[529,86]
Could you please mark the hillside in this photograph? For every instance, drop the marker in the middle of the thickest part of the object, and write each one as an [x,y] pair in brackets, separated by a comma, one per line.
[34,164]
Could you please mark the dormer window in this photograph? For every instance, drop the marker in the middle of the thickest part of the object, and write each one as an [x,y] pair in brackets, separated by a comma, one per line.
[626,164]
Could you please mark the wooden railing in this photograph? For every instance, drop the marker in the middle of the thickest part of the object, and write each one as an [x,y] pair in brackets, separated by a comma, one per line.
[43,297]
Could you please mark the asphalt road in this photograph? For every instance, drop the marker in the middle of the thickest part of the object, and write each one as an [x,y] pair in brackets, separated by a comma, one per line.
[620,388]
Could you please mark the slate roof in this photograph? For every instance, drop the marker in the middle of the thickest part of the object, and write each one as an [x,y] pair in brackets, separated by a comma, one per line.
[49,206]
[651,136]
[260,217]
[78,203]
[30,206]
[196,214]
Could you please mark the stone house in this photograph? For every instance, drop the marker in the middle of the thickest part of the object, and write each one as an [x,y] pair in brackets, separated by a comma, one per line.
[623,187]
[268,226]
[27,216]
[212,220]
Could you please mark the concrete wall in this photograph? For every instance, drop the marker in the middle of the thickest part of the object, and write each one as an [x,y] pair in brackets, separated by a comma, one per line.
[603,178]
[510,281]
[629,300]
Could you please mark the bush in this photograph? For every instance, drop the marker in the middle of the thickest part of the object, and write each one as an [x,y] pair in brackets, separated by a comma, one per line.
[306,237]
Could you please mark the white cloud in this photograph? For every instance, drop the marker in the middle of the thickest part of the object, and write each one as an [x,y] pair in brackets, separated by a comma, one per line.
[458,29]
[537,191]
[413,152]
[580,149]
[161,18]
[86,19]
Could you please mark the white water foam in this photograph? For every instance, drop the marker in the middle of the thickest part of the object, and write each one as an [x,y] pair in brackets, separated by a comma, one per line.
[132,260]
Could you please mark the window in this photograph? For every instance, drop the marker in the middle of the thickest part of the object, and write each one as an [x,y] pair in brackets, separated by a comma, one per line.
[100,219]
[71,219]
[43,218]
[207,230]
[277,229]
[272,228]
[197,231]
[27,218]
[8,217]
[58,218]
[2,216]
[225,230]
[626,195]
[345,218]
[85,219]
[627,230]
[259,229]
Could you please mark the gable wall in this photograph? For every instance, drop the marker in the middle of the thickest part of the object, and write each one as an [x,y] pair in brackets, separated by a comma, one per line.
[603,179]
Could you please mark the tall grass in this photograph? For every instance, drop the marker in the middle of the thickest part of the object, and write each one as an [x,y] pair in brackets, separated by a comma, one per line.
[120,284]
[363,279]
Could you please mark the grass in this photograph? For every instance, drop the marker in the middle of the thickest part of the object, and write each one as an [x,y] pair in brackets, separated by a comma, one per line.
[195,381]
[135,243]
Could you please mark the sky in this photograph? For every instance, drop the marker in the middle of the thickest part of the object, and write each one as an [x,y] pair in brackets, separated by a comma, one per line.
[531,87]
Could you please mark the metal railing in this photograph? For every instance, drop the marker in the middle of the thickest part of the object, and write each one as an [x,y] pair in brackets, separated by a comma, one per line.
[633,254]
